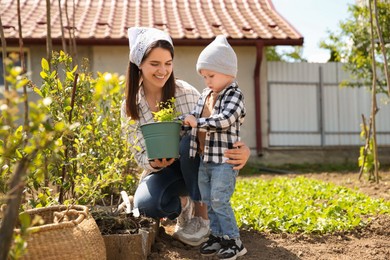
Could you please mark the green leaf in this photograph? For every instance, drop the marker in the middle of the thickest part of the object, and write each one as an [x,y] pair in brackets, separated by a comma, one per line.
[43,74]
[45,64]
[25,219]
[69,75]
[59,126]
[38,91]
[74,69]
[59,84]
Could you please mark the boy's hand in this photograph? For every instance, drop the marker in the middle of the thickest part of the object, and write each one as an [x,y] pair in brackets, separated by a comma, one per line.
[191,121]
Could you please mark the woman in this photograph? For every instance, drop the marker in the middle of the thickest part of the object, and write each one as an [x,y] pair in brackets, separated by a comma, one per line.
[168,187]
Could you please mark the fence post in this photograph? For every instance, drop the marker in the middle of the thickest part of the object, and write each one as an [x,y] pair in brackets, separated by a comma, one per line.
[321,105]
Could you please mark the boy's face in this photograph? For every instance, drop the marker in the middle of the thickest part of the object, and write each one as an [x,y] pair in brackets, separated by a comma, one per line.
[216,81]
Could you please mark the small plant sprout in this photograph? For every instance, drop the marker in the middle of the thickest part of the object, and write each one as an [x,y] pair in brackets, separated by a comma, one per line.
[167,111]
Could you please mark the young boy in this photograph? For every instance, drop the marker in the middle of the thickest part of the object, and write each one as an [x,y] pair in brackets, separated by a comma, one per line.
[215,123]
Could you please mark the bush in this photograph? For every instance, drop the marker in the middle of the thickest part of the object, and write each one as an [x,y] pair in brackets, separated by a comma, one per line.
[79,114]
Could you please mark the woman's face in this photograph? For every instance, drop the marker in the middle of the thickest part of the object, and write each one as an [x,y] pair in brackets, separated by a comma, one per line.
[156,68]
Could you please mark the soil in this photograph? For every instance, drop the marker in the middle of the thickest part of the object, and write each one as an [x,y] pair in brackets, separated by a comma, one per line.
[112,219]
[110,222]
[369,243]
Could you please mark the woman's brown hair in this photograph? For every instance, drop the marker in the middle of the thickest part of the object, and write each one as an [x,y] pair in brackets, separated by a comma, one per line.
[133,81]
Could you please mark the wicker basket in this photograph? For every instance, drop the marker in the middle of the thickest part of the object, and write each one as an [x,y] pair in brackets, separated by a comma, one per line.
[68,233]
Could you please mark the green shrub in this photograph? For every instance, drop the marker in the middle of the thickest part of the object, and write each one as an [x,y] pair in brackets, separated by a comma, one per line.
[87,158]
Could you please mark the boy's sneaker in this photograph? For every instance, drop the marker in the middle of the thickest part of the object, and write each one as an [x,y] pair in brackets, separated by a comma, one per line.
[195,232]
[211,246]
[231,248]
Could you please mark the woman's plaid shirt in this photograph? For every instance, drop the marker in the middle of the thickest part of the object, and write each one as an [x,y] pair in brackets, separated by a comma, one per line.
[222,127]
[186,97]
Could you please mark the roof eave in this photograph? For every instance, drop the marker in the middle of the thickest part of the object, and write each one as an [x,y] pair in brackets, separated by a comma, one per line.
[177,42]
[240,42]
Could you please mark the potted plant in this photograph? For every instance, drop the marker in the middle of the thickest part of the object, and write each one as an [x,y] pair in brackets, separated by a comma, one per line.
[162,136]
[127,235]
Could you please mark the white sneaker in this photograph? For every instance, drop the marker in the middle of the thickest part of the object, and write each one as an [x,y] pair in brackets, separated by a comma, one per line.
[195,232]
[185,216]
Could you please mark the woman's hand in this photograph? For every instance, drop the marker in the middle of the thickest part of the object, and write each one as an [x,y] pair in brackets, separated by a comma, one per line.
[239,155]
[161,163]
[191,121]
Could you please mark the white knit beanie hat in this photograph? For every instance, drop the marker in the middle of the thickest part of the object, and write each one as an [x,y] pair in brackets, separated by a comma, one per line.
[218,56]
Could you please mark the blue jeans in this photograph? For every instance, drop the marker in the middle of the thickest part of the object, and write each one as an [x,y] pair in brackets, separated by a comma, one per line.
[157,195]
[216,183]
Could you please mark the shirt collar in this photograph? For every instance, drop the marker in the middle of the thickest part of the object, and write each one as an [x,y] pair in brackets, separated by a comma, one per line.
[231,85]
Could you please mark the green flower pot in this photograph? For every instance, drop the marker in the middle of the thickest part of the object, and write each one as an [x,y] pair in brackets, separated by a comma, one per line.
[162,139]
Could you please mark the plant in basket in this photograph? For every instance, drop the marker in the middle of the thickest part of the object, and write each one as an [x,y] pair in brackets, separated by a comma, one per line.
[126,234]
[162,136]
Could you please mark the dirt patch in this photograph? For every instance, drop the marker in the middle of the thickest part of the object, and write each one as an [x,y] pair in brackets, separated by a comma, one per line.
[113,223]
[370,243]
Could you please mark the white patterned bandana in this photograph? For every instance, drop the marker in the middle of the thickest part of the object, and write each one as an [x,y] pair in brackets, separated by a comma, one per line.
[140,38]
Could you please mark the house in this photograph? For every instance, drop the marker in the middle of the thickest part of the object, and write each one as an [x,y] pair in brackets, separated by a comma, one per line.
[100,30]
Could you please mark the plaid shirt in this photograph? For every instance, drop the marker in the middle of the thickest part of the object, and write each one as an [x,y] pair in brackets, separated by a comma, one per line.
[222,127]
[186,97]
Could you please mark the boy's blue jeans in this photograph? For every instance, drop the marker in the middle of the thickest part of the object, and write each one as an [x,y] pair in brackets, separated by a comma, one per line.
[157,195]
[216,184]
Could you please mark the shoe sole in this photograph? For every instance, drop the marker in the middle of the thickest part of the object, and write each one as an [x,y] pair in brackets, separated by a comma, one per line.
[190,238]
[211,254]
[241,253]
[189,242]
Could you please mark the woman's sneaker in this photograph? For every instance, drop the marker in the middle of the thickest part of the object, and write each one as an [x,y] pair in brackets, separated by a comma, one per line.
[211,246]
[231,248]
[196,231]
[185,216]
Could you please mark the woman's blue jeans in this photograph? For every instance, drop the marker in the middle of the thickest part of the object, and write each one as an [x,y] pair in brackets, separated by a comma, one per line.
[158,194]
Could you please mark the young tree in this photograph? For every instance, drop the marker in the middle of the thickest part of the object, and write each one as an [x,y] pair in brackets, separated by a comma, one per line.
[364,45]
[4,53]
[352,45]
[63,41]
[49,46]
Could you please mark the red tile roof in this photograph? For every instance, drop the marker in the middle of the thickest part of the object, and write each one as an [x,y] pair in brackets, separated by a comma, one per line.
[106,22]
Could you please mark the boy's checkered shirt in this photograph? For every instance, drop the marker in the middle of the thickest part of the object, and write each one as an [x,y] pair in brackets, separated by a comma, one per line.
[223,125]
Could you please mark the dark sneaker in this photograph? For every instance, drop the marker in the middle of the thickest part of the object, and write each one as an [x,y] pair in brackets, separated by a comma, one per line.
[211,246]
[231,248]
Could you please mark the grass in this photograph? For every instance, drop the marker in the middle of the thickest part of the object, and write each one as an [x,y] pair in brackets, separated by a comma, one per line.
[302,205]
[252,168]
